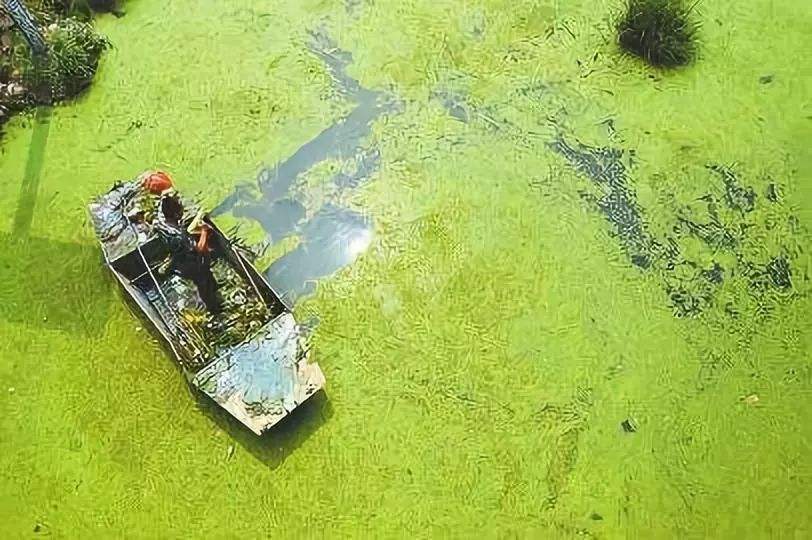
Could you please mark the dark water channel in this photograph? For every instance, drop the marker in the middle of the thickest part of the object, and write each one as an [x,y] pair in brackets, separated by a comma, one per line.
[333,236]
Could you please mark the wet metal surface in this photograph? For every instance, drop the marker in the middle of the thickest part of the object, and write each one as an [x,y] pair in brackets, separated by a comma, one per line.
[265,378]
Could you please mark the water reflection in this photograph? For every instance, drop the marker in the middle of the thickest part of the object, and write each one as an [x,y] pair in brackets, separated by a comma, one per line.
[332,239]
[333,236]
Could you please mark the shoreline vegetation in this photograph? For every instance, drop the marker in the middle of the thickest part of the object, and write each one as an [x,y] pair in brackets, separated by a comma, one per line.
[65,68]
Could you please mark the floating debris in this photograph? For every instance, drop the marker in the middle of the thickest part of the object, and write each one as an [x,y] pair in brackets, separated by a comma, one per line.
[594,516]
[779,272]
[772,193]
[715,274]
[737,197]
[766,79]
[691,286]
[230,451]
[629,425]
[752,399]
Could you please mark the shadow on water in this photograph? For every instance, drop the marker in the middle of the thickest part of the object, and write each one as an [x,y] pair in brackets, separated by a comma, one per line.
[49,284]
[333,236]
[33,168]
[273,447]
[54,285]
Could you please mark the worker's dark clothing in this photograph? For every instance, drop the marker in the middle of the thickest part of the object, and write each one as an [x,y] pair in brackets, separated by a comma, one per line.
[187,262]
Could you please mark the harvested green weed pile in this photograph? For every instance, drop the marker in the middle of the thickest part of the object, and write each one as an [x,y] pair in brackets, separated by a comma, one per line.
[146,204]
[244,312]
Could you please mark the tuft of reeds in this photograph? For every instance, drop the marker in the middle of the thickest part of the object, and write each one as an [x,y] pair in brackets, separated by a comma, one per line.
[661,32]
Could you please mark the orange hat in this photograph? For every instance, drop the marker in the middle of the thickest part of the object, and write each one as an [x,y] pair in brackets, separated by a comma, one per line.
[158,182]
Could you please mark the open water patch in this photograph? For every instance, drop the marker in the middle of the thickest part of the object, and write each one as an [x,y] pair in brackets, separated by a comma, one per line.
[332,236]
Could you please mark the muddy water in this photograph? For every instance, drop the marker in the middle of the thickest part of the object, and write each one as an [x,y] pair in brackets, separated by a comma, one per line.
[558,294]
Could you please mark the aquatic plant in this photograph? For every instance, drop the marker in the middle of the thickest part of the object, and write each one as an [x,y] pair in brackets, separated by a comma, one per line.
[146,204]
[63,7]
[661,32]
[74,48]
[6,41]
[238,242]
[244,314]
[244,311]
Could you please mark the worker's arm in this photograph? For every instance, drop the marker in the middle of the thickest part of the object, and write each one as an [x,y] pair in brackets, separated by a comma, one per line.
[201,246]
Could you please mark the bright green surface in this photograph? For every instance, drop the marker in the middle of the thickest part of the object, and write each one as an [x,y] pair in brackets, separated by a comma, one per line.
[482,354]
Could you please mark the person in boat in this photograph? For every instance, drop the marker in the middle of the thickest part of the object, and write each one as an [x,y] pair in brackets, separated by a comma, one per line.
[157,182]
[189,258]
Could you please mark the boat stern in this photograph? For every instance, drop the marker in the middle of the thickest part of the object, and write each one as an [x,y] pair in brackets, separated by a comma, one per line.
[264,379]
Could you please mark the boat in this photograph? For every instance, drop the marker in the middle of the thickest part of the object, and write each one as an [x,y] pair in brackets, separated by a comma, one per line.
[253,358]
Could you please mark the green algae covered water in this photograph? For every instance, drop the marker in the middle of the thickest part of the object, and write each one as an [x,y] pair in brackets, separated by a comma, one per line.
[558,294]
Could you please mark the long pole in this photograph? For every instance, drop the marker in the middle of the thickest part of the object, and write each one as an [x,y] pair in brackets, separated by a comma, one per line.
[248,275]
[27,25]
[177,327]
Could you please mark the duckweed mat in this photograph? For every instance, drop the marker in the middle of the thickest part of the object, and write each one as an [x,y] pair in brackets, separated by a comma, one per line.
[556,293]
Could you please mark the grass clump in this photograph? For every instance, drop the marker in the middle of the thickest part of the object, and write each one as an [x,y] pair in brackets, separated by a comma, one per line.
[64,70]
[80,8]
[661,32]
[74,49]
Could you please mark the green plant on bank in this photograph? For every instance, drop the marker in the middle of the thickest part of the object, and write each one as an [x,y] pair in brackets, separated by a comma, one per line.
[74,49]
[75,8]
[26,24]
[661,32]
[64,68]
